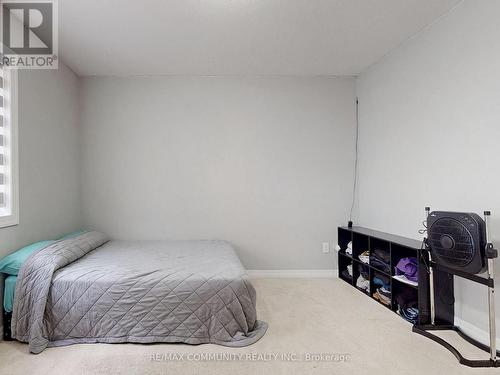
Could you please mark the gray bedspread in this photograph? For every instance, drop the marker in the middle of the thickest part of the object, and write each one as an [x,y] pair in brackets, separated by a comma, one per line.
[88,289]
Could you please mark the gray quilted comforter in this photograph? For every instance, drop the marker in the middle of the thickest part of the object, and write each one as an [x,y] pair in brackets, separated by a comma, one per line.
[88,289]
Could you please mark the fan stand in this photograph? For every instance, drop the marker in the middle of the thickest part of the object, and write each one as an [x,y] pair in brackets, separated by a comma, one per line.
[424,330]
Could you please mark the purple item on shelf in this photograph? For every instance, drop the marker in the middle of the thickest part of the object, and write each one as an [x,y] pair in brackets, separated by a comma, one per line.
[408,267]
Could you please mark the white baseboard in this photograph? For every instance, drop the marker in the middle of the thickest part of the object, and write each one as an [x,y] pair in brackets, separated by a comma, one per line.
[292,274]
[475,332]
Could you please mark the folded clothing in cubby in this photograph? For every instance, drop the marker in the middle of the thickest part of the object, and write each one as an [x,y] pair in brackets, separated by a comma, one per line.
[363,271]
[363,280]
[410,314]
[383,292]
[346,275]
[364,257]
[381,259]
[407,300]
[363,283]
[384,298]
[407,267]
[348,251]
[382,281]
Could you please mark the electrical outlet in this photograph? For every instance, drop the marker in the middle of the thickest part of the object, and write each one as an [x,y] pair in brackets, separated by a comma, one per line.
[326,247]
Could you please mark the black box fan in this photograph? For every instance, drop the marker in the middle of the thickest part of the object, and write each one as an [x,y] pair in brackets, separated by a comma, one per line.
[458,243]
[457,240]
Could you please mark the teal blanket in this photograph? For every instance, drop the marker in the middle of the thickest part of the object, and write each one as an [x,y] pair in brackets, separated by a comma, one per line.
[8,295]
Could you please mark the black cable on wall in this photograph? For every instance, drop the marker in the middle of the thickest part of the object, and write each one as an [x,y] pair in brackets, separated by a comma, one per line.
[355,164]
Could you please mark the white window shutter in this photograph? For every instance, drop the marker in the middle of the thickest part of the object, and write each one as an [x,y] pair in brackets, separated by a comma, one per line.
[9,199]
[2,151]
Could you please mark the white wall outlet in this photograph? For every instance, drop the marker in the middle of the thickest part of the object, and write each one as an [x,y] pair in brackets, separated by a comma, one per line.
[326,247]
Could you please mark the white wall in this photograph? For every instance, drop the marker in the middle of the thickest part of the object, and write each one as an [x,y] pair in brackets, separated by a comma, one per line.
[430,132]
[264,162]
[49,191]
[49,168]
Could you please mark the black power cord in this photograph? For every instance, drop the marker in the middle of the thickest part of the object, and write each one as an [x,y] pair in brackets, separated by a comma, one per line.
[355,166]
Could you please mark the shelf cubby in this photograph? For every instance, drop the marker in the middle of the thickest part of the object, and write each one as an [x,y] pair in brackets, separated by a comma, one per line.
[361,269]
[344,262]
[374,275]
[393,249]
[344,237]
[360,244]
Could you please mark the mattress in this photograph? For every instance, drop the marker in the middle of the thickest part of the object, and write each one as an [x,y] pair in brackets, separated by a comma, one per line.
[8,294]
[89,289]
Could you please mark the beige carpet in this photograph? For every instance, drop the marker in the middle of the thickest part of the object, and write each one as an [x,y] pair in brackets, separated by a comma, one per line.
[305,317]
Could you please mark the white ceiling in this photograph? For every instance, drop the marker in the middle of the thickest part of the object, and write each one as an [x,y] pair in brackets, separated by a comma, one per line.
[236,37]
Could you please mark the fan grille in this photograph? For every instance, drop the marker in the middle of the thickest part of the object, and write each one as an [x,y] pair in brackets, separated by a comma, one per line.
[462,251]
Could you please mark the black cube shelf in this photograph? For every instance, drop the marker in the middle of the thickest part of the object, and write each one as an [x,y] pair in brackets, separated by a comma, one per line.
[396,248]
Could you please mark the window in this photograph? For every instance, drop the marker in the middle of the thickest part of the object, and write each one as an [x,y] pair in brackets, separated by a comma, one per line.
[9,199]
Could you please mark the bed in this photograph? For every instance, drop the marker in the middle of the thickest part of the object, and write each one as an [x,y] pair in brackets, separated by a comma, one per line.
[88,289]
